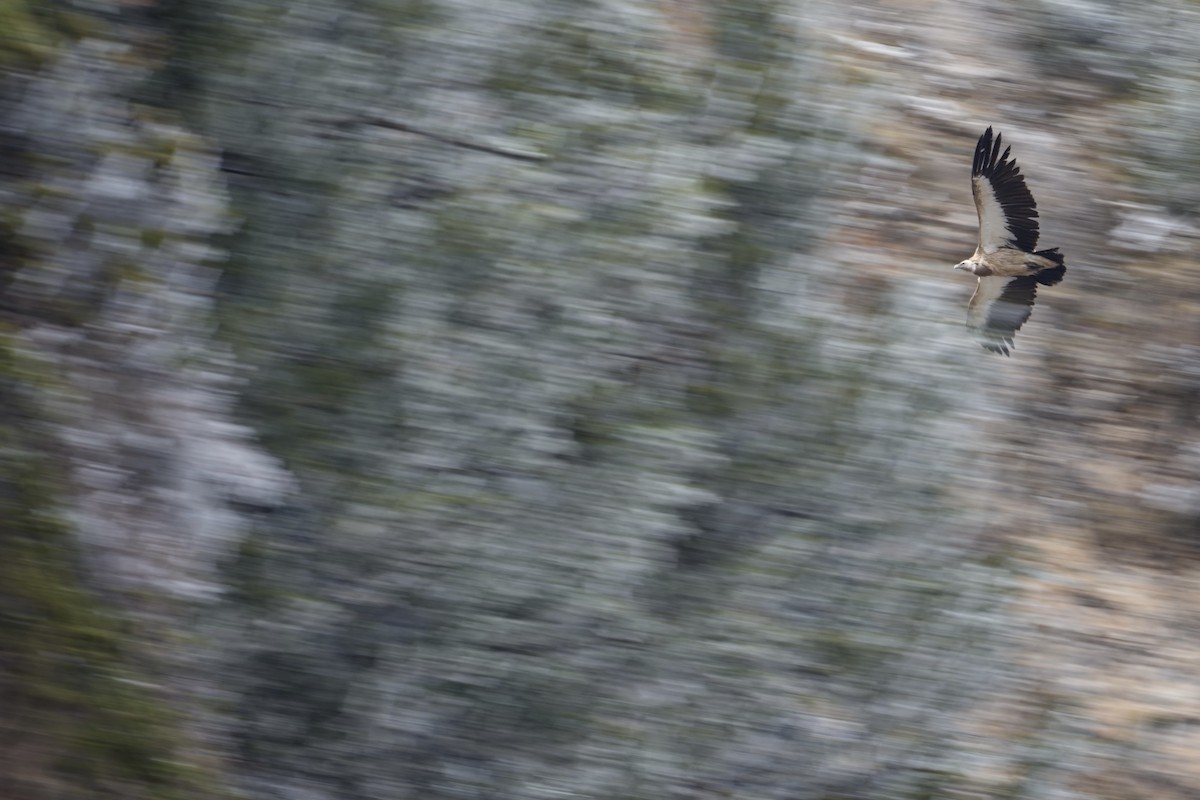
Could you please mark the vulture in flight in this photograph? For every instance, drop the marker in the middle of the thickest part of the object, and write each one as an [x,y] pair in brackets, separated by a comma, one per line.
[1007,266]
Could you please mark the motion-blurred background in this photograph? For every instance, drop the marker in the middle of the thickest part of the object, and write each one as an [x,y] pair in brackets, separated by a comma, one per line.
[541,399]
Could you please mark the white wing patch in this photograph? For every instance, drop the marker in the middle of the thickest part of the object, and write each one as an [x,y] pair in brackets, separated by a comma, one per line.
[986,293]
[993,226]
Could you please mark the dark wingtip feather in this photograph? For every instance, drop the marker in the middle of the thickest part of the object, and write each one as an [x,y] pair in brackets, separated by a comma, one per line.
[995,155]
[983,152]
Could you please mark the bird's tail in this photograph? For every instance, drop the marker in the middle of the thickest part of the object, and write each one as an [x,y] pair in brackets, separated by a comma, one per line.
[1051,275]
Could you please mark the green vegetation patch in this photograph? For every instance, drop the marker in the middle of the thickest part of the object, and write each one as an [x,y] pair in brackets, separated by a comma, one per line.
[27,37]
[78,722]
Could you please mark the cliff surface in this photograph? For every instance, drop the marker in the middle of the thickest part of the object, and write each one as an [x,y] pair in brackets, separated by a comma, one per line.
[443,399]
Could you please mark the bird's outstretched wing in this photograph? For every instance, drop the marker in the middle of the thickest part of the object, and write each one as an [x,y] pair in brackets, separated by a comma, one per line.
[1007,211]
[998,309]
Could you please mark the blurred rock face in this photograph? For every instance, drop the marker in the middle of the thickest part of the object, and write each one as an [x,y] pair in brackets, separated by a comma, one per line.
[583,407]
[112,230]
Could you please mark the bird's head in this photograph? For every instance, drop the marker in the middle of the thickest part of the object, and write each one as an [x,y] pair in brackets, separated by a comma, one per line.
[966,266]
